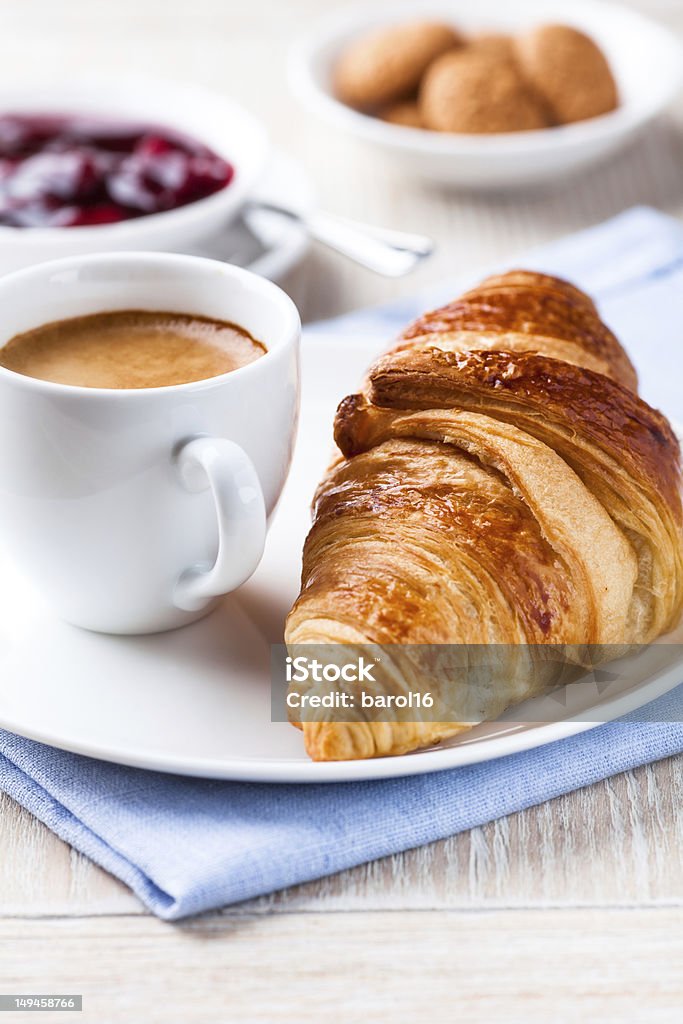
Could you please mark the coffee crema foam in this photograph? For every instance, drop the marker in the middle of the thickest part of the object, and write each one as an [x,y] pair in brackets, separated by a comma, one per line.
[131,349]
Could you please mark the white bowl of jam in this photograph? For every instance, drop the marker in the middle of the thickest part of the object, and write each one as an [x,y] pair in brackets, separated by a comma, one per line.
[96,164]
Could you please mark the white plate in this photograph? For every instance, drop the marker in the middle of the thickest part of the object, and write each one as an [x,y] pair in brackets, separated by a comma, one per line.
[197,701]
[272,245]
[645,57]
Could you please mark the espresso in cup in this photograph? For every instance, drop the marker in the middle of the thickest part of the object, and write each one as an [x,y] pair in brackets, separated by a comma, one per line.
[131,349]
[134,507]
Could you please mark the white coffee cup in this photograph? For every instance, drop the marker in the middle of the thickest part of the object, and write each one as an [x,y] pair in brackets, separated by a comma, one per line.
[132,511]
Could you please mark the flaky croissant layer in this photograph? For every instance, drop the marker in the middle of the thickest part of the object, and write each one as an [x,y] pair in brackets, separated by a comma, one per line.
[498,481]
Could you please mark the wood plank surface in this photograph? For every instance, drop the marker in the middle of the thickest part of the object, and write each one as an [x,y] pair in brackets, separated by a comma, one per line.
[518,966]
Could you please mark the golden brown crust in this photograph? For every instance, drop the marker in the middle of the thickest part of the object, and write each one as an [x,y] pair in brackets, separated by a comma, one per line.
[543,310]
[492,497]
[531,278]
[338,741]
[624,451]
[417,490]
[608,415]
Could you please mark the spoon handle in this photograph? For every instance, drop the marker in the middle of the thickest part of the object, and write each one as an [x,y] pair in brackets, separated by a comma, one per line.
[388,252]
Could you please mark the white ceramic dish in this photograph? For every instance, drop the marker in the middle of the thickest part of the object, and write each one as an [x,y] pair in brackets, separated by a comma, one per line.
[274,245]
[197,701]
[133,509]
[211,118]
[647,61]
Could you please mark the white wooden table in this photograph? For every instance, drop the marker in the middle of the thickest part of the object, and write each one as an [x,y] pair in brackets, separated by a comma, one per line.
[568,911]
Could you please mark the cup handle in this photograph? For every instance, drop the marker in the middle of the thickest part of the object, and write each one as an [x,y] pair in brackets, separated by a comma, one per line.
[226,468]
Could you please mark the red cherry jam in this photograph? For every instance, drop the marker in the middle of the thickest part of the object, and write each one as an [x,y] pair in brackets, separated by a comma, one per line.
[73,171]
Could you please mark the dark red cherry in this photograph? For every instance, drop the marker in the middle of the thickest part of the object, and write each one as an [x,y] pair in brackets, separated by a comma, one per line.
[70,176]
[151,146]
[205,175]
[131,187]
[74,171]
[38,213]
[105,136]
[101,213]
[22,135]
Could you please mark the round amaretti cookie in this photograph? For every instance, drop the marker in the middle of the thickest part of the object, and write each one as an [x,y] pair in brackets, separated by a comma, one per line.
[473,91]
[386,65]
[569,71]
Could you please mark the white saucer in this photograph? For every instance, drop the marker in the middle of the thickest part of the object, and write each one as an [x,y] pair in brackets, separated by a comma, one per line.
[197,701]
[266,243]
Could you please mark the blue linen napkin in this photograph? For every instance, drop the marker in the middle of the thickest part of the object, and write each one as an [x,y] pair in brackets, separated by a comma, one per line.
[188,845]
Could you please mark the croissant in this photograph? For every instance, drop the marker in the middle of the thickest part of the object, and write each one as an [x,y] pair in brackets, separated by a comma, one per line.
[498,481]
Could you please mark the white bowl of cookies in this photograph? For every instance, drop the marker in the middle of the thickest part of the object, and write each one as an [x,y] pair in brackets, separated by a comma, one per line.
[490,95]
